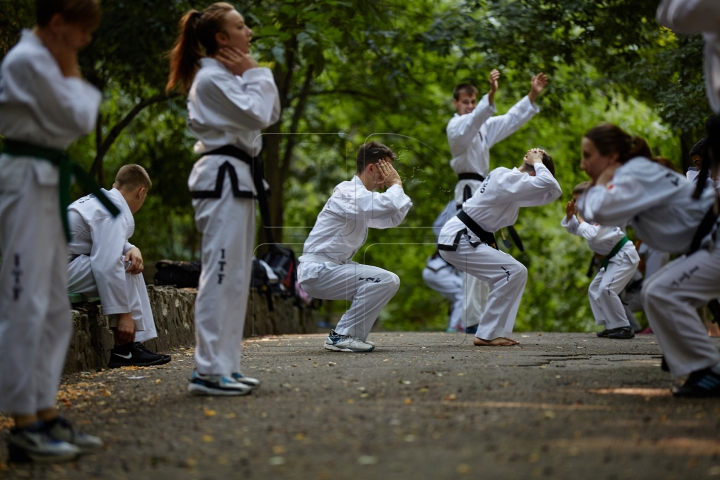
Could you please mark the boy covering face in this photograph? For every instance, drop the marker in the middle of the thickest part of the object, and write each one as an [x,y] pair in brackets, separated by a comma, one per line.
[326,268]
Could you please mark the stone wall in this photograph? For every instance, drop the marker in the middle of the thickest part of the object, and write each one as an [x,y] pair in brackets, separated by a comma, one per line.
[173,310]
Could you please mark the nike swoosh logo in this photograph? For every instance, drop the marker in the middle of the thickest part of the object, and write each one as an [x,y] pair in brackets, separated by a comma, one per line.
[128,356]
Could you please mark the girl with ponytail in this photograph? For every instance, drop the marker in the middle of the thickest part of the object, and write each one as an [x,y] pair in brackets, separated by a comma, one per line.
[230,99]
[630,189]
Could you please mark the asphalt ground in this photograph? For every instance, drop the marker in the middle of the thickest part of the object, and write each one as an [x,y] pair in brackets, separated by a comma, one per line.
[421,406]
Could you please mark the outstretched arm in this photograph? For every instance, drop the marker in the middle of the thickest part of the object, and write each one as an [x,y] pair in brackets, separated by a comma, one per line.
[537,85]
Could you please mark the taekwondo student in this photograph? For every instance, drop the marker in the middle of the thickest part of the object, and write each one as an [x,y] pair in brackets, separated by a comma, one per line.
[471,133]
[443,277]
[326,269]
[45,105]
[104,263]
[230,100]
[629,188]
[701,16]
[467,241]
[619,264]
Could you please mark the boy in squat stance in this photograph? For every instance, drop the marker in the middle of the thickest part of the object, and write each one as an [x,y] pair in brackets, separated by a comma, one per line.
[468,240]
[326,268]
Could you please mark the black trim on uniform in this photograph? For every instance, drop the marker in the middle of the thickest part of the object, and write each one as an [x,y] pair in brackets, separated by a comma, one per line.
[471,176]
[225,168]
[256,168]
[485,236]
[704,228]
[456,242]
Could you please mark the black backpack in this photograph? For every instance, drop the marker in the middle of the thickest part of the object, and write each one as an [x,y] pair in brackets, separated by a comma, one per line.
[180,274]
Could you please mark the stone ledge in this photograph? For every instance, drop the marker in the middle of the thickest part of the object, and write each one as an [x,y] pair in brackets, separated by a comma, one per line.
[173,310]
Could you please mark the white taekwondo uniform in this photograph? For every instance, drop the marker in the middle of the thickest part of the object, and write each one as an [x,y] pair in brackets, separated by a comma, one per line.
[494,206]
[698,16]
[225,109]
[470,137]
[603,292]
[40,106]
[443,277]
[658,203]
[97,261]
[326,268]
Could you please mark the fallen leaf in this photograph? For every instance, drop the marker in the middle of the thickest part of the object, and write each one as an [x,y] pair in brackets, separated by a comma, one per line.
[408,401]
[367,460]
[350,400]
[157,381]
[463,469]
[208,438]
[450,398]
[210,413]
[277,449]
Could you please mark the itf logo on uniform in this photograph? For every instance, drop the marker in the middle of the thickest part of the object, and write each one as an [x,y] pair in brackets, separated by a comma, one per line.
[222,263]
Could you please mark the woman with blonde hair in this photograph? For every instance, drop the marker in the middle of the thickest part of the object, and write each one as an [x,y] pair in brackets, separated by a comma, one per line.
[230,99]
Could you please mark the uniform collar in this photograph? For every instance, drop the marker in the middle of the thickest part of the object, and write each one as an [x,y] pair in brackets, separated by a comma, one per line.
[207,62]
[117,198]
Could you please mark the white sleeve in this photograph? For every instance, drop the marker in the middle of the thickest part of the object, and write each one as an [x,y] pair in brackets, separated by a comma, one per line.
[587,231]
[502,126]
[615,203]
[251,102]
[127,247]
[380,210]
[531,191]
[461,130]
[108,240]
[690,16]
[570,225]
[69,104]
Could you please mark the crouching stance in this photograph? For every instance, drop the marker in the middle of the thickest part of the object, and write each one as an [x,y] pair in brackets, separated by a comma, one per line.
[619,264]
[468,241]
[104,263]
[326,270]
[630,188]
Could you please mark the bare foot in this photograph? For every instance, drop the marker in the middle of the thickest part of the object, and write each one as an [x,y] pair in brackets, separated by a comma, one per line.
[495,342]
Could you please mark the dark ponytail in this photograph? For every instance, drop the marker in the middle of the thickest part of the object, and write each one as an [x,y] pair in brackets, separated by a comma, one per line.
[609,139]
[196,40]
[712,154]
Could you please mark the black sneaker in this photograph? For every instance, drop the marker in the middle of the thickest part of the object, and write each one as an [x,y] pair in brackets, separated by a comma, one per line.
[472,330]
[142,347]
[620,333]
[130,354]
[700,384]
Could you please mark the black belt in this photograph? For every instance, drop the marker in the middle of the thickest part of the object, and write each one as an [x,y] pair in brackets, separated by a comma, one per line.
[471,176]
[705,227]
[256,167]
[483,235]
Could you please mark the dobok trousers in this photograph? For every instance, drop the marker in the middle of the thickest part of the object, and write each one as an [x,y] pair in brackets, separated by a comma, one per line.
[476,291]
[227,225]
[369,288]
[605,288]
[671,298]
[449,284]
[82,280]
[35,321]
[505,276]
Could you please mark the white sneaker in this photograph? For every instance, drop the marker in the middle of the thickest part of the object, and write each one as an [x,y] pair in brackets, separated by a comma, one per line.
[216,385]
[249,381]
[62,429]
[346,343]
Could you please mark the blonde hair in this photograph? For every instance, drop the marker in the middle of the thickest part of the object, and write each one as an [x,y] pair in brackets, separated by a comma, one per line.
[131,177]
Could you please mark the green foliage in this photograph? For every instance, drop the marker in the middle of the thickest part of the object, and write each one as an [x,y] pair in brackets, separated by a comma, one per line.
[358,70]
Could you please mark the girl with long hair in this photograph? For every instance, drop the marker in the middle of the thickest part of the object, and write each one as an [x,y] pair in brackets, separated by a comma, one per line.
[230,99]
[630,188]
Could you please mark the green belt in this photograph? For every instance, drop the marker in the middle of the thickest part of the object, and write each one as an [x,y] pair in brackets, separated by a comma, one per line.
[67,168]
[614,251]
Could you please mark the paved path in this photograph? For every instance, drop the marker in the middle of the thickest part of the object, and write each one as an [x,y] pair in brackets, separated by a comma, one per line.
[422,406]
